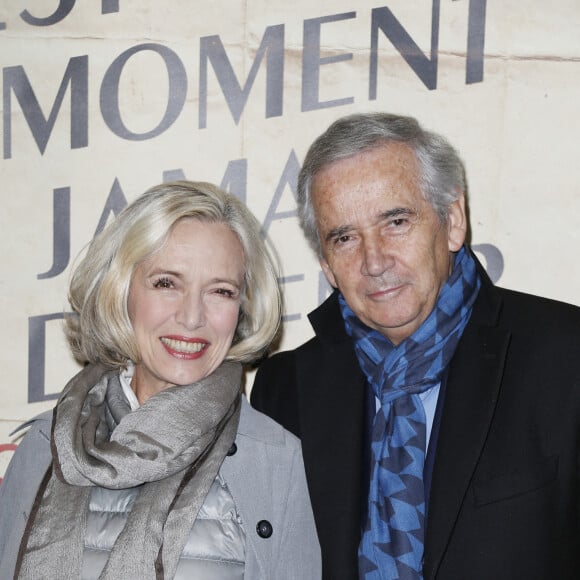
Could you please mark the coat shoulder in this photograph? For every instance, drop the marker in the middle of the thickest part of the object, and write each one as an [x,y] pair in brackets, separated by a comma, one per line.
[40,423]
[538,304]
[20,485]
[539,317]
[256,425]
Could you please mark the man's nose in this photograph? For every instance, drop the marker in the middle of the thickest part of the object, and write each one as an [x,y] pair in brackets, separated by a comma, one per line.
[376,257]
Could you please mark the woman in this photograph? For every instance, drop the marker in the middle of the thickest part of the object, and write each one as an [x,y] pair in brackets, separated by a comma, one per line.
[155,465]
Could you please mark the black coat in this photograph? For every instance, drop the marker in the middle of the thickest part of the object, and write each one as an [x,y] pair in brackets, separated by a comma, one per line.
[504,501]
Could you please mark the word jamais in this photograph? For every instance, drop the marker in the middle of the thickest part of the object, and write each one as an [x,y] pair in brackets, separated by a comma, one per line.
[383,26]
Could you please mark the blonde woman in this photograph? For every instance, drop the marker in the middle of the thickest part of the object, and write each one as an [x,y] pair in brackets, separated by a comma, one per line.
[152,464]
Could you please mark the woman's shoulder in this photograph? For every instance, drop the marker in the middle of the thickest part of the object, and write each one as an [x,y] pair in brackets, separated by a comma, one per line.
[33,455]
[256,425]
[20,484]
[40,424]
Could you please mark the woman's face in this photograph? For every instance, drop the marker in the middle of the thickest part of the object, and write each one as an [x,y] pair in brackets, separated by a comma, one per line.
[184,303]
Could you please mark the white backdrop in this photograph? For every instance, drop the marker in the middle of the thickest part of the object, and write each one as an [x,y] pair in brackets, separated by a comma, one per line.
[103,99]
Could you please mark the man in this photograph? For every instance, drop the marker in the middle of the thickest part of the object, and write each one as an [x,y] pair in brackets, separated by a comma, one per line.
[439,415]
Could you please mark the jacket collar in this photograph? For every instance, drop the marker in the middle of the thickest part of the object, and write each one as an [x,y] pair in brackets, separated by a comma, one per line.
[327,321]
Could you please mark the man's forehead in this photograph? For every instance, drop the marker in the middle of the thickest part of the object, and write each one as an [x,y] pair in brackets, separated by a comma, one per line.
[397,155]
[389,166]
[369,199]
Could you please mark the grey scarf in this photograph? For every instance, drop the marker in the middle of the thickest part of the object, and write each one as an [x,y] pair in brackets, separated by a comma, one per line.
[172,446]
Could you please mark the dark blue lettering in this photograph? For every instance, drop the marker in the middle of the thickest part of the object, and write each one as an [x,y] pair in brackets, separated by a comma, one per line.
[15,80]
[312,61]
[109,97]
[109,6]
[425,68]
[289,280]
[60,233]
[37,357]
[475,41]
[62,11]
[173,175]
[235,178]
[115,203]
[212,50]
[289,177]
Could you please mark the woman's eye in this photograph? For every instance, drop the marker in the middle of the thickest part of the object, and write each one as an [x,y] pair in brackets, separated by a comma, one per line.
[226,292]
[163,283]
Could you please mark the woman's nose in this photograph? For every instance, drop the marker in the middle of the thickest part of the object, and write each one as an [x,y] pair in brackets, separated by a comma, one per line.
[191,312]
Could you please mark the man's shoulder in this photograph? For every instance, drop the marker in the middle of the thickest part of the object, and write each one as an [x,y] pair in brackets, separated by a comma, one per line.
[311,358]
[288,357]
[539,310]
[520,297]
[277,389]
[538,328]
[329,346]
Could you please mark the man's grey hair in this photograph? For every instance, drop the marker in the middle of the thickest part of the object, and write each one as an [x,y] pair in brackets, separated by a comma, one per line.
[441,178]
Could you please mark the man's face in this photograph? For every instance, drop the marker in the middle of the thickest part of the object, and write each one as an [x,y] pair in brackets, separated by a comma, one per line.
[383,245]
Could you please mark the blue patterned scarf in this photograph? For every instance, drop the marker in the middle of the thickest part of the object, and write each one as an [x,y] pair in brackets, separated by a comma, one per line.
[392,540]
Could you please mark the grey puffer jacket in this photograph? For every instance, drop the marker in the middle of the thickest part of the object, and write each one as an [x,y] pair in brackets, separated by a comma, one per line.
[215,549]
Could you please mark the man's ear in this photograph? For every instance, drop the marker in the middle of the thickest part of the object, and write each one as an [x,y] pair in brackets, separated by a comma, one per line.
[328,272]
[457,224]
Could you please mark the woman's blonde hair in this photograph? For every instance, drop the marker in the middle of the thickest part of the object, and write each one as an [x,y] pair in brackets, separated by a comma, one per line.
[99,330]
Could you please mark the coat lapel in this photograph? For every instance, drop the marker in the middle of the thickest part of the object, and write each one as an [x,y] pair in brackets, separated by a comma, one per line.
[472,391]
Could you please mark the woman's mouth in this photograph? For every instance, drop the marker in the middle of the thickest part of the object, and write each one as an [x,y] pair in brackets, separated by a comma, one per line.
[184,348]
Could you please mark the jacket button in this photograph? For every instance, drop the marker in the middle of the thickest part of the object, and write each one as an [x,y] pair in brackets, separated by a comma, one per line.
[264,529]
[232,450]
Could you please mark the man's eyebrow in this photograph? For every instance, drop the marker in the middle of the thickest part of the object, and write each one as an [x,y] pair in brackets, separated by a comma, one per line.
[396,212]
[337,232]
[385,215]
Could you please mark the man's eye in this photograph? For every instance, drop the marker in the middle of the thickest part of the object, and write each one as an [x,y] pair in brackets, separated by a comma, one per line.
[163,283]
[398,224]
[343,239]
